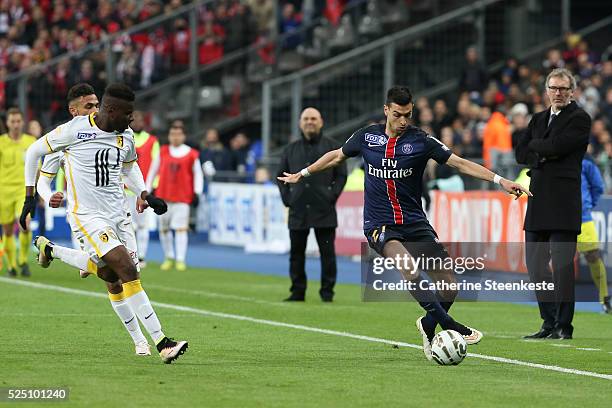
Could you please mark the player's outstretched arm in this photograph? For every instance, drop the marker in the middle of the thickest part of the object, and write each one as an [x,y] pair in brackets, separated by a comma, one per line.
[476,170]
[327,161]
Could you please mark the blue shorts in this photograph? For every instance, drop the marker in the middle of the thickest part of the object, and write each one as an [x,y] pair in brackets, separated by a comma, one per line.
[418,238]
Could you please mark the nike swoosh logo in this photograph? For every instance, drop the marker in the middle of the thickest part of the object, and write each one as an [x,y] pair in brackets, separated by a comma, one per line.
[128,322]
[146,317]
[373,145]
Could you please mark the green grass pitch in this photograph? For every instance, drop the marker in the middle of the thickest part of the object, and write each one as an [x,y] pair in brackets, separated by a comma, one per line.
[53,338]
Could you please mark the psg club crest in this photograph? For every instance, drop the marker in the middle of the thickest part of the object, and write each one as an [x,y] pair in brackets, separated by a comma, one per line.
[407,148]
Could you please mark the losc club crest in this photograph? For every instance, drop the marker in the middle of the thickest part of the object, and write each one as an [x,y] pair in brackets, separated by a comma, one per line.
[407,148]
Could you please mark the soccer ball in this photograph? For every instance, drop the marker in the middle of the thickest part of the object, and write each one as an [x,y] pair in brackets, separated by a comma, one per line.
[448,348]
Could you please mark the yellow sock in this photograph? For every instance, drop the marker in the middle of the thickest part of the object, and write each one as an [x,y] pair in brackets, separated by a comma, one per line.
[11,250]
[25,238]
[600,278]
[1,253]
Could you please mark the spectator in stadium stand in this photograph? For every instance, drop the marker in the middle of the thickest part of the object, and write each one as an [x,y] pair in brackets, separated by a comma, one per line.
[519,120]
[473,77]
[553,147]
[290,22]
[497,139]
[212,151]
[239,147]
[311,205]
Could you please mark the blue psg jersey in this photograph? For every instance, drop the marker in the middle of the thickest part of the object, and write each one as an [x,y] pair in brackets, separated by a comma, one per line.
[394,169]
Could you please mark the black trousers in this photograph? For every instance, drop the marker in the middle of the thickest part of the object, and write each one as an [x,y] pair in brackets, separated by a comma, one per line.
[542,247]
[297,259]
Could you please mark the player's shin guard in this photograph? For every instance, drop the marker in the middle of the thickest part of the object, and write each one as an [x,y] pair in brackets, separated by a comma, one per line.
[25,240]
[181,239]
[127,317]
[138,300]
[73,257]
[10,249]
[600,278]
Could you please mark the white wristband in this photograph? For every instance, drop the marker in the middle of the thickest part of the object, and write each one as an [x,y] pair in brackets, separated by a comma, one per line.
[497,178]
[304,172]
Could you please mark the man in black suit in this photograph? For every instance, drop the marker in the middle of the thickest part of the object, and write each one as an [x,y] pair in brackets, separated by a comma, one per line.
[553,146]
[311,205]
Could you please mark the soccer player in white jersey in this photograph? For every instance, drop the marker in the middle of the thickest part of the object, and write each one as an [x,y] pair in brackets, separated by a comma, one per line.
[180,184]
[82,100]
[97,149]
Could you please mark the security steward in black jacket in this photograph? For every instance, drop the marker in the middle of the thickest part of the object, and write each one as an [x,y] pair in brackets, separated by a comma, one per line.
[553,147]
[312,204]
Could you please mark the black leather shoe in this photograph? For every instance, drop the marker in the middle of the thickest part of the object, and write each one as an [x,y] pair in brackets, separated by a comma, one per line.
[294,298]
[541,334]
[559,334]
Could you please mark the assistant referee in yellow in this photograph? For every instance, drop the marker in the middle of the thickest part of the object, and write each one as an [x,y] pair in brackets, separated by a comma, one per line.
[13,146]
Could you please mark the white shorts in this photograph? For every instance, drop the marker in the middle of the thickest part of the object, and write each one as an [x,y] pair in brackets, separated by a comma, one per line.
[177,217]
[98,235]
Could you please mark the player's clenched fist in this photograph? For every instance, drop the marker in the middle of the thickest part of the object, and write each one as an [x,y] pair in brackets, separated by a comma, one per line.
[56,200]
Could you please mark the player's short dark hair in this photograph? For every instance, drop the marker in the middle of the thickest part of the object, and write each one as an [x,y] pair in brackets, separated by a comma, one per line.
[399,94]
[120,91]
[78,90]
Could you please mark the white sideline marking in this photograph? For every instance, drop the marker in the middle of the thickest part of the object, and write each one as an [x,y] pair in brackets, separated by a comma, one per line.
[588,349]
[215,295]
[308,329]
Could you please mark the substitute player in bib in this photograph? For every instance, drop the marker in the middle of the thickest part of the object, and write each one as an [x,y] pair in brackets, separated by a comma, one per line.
[82,100]
[97,149]
[13,146]
[588,241]
[180,184]
[147,148]
[395,156]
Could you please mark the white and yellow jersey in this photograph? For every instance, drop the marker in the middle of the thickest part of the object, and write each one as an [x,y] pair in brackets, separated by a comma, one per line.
[93,160]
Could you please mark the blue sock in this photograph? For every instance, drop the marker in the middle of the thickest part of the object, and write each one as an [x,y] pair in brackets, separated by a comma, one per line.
[429,322]
[428,301]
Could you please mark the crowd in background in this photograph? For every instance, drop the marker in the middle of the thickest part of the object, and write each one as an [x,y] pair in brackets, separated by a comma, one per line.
[33,32]
[36,31]
[491,112]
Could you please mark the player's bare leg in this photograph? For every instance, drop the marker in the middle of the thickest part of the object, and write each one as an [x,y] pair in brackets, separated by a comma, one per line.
[120,261]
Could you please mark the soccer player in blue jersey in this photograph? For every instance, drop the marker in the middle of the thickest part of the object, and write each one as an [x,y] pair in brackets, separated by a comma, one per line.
[395,156]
